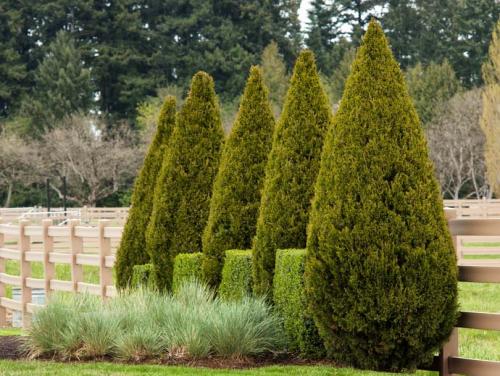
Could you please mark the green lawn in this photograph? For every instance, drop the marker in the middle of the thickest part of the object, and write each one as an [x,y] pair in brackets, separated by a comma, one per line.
[63,273]
[10,368]
[9,331]
[479,344]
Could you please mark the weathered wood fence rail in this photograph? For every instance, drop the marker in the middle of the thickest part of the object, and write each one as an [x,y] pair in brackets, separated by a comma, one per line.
[449,362]
[76,246]
[85,213]
[70,245]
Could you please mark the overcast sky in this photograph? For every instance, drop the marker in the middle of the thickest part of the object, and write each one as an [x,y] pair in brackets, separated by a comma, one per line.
[304,6]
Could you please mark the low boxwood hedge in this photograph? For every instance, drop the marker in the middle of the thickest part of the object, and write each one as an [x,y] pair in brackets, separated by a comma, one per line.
[187,266]
[290,304]
[142,276]
[236,275]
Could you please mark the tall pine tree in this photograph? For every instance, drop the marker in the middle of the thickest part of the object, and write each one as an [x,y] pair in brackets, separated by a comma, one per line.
[490,119]
[63,86]
[381,272]
[184,187]
[132,250]
[291,170]
[236,196]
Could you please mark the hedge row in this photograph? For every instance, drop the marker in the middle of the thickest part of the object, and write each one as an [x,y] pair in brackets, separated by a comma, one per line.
[187,266]
[290,303]
[236,275]
[289,294]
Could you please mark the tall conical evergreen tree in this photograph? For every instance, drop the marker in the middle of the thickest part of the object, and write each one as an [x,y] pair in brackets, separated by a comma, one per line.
[490,118]
[291,170]
[184,187]
[132,250]
[381,273]
[236,196]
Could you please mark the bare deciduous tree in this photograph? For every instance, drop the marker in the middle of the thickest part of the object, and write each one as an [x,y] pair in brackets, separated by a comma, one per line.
[456,144]
[96,164]
[17,159]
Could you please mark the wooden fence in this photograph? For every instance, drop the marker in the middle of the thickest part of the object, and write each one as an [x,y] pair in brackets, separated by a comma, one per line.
[449,362]
[73,245]
[86,214]
[475,208]
[78,245]
[118,215]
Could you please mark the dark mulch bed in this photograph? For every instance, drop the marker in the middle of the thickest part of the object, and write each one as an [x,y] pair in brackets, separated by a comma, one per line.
[11,347]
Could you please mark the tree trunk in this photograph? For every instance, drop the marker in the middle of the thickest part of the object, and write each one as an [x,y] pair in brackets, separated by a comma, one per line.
[6,203]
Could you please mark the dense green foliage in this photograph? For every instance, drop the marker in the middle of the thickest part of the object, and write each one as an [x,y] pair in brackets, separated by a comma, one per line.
[187,267]
[184,186]
[142,277]
[430,87]
[143,45]
[419,31]
[144,324]
[236,194]
[62,87]
[291,304]
[274,74]
[381,273]
[236,280]
[291,170]
[132,250]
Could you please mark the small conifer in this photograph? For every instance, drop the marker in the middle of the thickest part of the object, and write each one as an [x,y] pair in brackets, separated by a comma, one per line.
[236,195]
[132,250]
[184,187]
[381,273]
[291,170]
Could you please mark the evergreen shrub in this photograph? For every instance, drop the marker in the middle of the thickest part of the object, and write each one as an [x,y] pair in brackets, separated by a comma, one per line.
[184,186]
[236,195]
[132,250]
[187,267]
[236,275]
[142,276]
[291,170]
[291,305]
[381,271]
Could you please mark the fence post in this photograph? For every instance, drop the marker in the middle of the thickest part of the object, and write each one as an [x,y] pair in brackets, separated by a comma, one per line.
[24,246]
[450,349]
[105,274]
[457,241]
[48,247]
[3,310]
[76,248]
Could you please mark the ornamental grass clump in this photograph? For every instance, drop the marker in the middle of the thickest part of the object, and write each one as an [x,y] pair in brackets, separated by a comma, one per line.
[184,187]
[236,195]
[291,171]
[142,324]
[381,273]
[132,250]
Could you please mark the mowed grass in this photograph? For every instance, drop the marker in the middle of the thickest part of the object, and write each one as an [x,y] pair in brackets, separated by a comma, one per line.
[478,344]
[63,272]
[11,368]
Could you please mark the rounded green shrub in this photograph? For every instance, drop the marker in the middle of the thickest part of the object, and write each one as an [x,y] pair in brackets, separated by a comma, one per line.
[291,304]
[236,275]
[291,170]
[381,273]
[142,276]
[236,194]
[187,267]
[184,187]
[132,250]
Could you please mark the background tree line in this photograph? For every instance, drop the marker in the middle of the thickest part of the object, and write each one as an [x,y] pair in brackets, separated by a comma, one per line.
[96,72]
